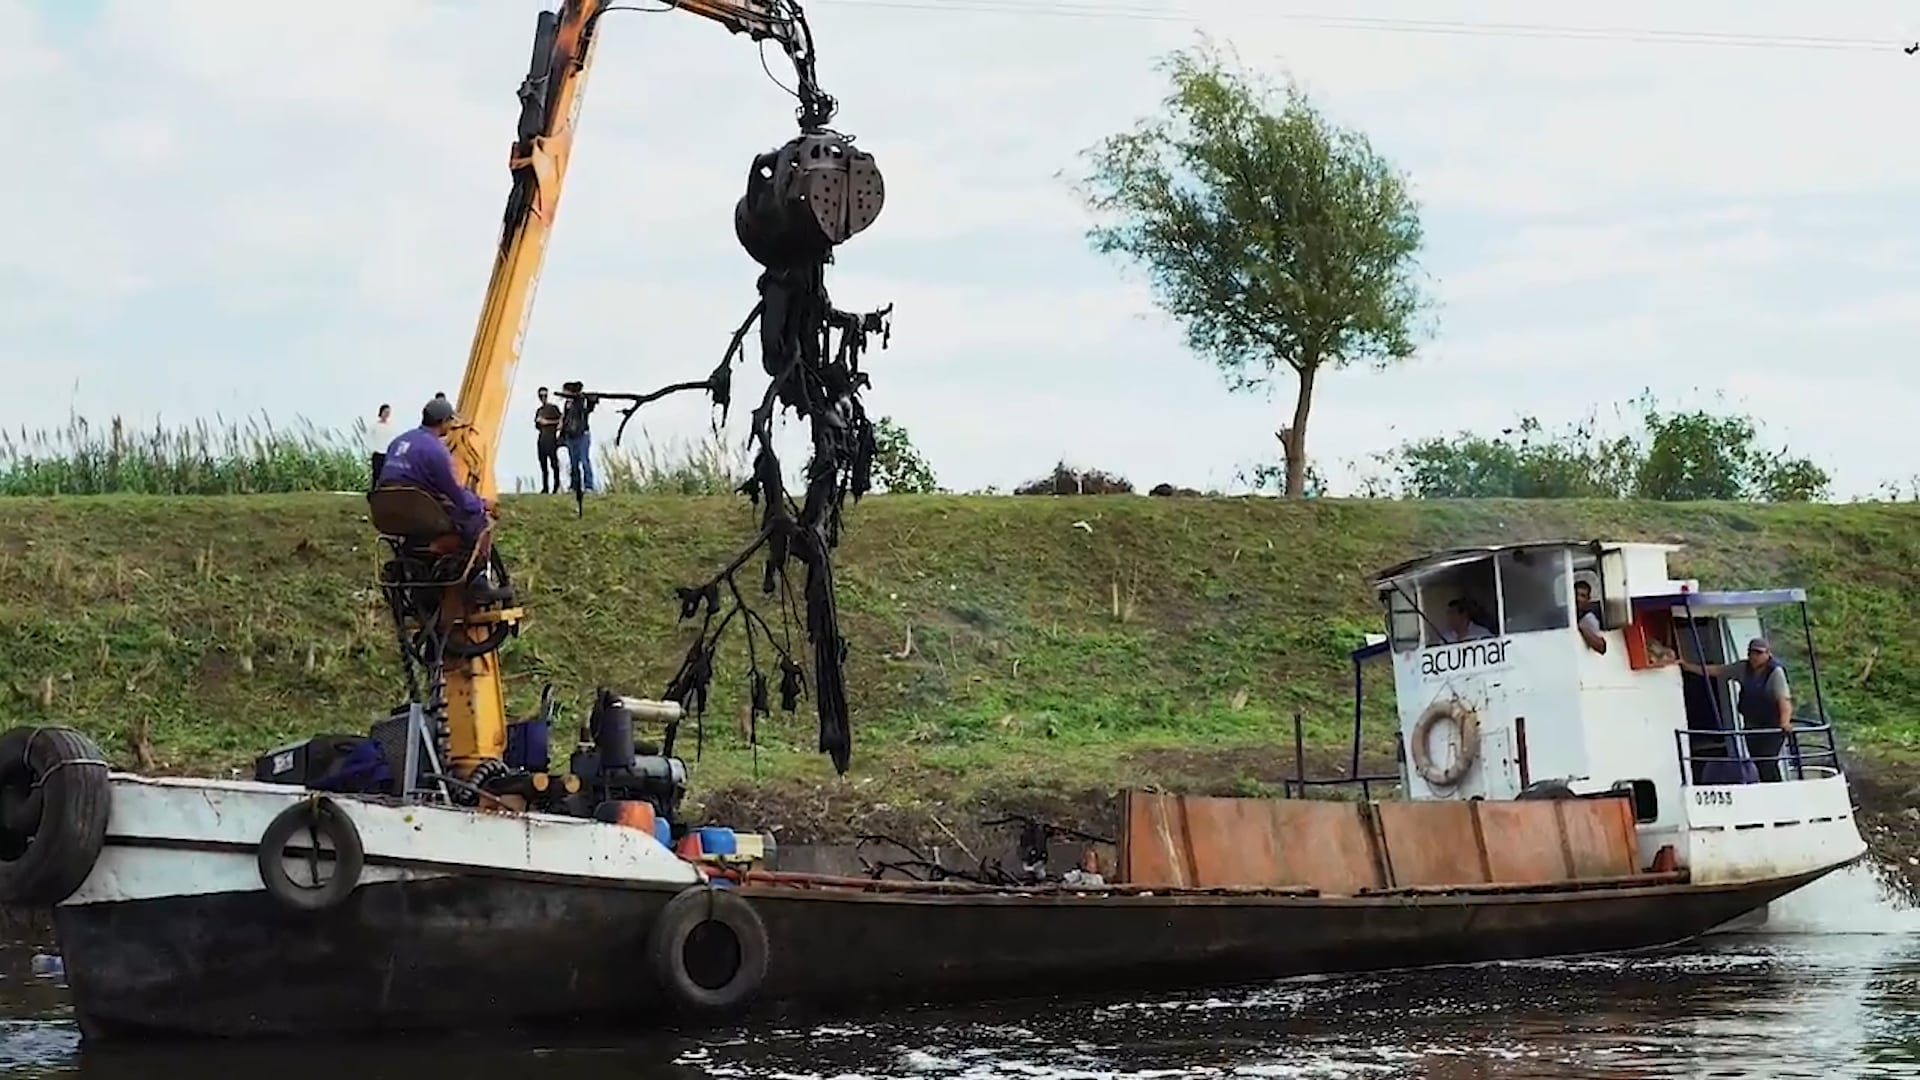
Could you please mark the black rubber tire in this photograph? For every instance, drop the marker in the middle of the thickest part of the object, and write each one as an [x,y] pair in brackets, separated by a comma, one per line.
[1546,789]
[67,775]
[697,909]
[325,817]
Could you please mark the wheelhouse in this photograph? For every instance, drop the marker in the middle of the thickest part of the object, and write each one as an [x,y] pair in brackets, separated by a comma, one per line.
[1523,669]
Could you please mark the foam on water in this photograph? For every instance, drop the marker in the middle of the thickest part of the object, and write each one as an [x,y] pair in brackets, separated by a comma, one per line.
[1849,901]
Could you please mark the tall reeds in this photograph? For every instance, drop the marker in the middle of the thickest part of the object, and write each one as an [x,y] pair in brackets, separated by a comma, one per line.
[257,457]
[217,457]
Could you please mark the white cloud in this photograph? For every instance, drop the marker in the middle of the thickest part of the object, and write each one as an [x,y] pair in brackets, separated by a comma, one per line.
[294,208]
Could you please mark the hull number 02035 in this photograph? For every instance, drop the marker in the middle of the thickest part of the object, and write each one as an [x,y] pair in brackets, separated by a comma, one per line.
[1712,797]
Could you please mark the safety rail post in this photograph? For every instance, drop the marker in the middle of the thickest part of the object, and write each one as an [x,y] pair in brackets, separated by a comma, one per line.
[1359,697]
[1300,750]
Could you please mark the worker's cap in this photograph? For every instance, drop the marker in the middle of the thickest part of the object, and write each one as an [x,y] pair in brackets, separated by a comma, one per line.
[1759,644]
[437,411]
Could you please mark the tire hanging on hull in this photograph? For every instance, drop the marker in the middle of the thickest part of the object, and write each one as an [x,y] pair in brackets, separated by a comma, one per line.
[709,952]
[321,818]
[55,800]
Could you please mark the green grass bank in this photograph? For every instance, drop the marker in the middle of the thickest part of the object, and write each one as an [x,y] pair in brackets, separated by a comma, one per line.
[1024,653]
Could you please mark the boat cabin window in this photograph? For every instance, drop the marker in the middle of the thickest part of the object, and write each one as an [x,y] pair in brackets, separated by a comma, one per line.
[1646,798]
[1403,618]
[1460,602]
[1536,589]
[1452,603]
[1586,570]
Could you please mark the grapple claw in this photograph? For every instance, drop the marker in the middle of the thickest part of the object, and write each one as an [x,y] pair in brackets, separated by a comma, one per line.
[804,198]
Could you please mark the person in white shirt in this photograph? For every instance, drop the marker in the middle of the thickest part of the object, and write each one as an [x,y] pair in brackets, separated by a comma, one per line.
[1462,623]
[380,435]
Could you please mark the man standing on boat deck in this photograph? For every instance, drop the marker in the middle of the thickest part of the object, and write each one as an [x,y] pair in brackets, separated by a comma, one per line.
[1765,703]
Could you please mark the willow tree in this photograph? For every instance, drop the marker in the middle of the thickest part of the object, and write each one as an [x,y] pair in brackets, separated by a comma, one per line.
[1279,239]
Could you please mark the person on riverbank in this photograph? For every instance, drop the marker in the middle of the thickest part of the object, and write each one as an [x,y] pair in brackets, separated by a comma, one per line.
[1765,703]
[379,436]
[575,432]
[546,425]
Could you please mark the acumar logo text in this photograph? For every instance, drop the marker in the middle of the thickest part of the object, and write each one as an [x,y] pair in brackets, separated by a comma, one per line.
[1464,656]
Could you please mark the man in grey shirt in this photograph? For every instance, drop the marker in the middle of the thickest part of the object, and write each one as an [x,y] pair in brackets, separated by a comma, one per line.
[1765,703]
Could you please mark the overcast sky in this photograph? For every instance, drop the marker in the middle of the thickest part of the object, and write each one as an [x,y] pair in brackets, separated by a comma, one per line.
[229,207]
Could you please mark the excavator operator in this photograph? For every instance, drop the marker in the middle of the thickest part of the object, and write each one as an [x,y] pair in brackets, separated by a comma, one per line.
[420,459]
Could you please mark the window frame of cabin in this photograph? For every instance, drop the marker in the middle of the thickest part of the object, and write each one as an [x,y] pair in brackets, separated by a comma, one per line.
[1559,589]
[1591,563]
[1450,575]
[1616,606]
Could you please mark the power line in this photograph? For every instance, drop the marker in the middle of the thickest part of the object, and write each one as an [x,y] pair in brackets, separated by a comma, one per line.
[1449,27]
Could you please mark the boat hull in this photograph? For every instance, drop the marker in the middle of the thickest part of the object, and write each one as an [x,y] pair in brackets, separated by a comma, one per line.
[476,951]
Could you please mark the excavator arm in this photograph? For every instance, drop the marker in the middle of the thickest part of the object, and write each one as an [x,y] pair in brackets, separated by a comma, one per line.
[550,98]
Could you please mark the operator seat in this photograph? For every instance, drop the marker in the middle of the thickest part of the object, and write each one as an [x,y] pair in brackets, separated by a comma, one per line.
[428,549]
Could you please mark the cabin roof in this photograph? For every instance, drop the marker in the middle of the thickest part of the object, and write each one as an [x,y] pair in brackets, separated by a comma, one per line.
[1742,598]
[1453,556]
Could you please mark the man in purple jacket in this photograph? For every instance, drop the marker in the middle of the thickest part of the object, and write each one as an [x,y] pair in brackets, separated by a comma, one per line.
[419,458]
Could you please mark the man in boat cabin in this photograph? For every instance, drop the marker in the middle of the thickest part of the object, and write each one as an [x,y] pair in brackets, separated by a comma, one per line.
[1765,703]
[1461,623]
[1589,617]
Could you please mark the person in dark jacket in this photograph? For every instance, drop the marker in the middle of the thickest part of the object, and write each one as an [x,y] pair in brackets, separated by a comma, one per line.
[546,423]
[574,433]
[1765,703]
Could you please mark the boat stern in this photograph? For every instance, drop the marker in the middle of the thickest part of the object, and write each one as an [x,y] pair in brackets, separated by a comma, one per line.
[1756,832]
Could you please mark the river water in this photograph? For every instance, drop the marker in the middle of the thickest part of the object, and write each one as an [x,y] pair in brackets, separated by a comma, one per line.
[1830,989]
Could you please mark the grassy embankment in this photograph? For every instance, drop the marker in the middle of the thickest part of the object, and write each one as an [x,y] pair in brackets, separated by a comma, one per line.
[1171,641]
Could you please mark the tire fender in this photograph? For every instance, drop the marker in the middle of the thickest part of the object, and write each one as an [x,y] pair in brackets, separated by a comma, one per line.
[320,818]
[55,799]
[734,939]
[1466,721]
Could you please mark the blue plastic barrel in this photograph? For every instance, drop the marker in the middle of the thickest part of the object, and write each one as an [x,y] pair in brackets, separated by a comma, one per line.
[717,840]
[663,832]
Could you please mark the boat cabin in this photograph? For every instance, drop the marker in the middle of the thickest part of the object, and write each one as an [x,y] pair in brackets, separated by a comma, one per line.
[1575,668]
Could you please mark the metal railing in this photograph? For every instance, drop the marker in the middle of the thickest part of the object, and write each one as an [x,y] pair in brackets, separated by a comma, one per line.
[1297,786]
[1809,748]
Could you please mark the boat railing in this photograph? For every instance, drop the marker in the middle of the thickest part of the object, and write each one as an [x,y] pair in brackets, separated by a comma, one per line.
[1809,752]
[1298,785]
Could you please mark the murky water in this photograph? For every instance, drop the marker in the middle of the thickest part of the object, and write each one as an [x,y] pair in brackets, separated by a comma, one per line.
[1831,990]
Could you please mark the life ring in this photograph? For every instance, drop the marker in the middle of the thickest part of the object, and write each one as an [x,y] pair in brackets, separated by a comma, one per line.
[1467,722]
[319,817]
[54,802]
[709,951]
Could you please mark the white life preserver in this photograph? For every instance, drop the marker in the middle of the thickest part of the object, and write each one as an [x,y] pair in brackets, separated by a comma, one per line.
[1466,720]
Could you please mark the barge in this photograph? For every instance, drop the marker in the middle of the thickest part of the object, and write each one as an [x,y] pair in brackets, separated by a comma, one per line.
[1567,784]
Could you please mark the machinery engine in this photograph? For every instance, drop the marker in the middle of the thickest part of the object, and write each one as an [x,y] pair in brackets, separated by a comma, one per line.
[616,767]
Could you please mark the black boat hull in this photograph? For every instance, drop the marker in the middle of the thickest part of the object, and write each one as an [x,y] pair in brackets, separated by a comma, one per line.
[472,952]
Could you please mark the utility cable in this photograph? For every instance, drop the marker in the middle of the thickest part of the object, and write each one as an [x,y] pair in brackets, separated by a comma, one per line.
[1452,27]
